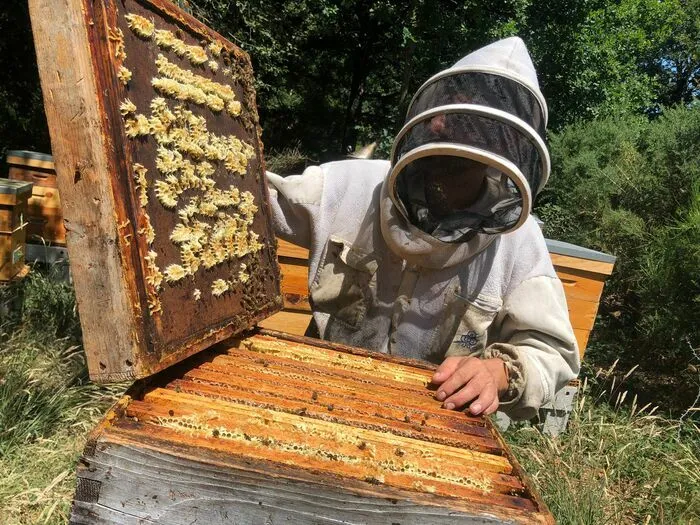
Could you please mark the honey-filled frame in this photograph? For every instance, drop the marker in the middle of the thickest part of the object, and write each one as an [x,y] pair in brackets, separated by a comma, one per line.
[273,428]
[161,172]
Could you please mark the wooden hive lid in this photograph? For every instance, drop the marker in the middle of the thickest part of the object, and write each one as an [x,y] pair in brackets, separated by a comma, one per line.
[156,141]
[567,255]
[32,159]
[14,187]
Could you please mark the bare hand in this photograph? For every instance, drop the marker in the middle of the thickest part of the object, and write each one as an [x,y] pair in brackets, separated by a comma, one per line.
[465,380]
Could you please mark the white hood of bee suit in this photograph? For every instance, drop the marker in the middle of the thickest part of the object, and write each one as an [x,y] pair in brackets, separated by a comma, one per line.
[493,113]
[508,57]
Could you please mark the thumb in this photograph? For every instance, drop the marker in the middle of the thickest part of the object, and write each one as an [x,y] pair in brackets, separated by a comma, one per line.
[446,369]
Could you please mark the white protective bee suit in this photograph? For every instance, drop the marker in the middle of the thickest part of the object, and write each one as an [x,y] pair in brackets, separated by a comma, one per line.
[388,272]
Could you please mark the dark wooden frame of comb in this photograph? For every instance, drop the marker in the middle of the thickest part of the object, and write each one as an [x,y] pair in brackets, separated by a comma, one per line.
[91,154]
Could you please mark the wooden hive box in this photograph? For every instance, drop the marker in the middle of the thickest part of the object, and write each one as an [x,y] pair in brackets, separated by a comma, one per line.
[14,196]
[273,428]
[156,142]
[44,217]
[582,272]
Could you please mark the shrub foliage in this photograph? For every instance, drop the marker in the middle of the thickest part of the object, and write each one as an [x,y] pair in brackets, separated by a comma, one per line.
[631,187]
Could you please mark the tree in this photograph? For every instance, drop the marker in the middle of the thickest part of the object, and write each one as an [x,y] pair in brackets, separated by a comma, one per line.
[22,120]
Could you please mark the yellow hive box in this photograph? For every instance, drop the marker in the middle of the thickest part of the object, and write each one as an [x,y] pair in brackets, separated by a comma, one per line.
[14,196]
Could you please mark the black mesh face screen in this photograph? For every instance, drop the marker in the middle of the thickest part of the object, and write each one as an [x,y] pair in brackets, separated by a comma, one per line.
[485,89]
[452,198]
[479,132]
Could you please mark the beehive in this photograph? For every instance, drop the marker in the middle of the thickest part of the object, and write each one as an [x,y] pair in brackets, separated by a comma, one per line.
[582,272]
[14,196]
[275,429]
[156,142]
[44,217]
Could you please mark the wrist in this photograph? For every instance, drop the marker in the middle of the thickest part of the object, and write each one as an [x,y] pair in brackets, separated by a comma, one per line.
[499,372]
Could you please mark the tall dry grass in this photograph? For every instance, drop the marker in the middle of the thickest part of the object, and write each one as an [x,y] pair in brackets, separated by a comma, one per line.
[617,463]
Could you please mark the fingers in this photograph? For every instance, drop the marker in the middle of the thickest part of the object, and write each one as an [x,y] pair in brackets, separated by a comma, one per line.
[480,393]
[446,369]
[492,409]
[466,380]
[465,370]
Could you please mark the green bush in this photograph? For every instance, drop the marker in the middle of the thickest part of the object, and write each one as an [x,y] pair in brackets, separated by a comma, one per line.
[631,187]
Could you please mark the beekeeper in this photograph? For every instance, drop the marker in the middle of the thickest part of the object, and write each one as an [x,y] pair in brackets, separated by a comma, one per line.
[433,254]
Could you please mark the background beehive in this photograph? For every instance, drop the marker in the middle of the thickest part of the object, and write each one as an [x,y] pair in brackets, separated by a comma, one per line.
[288,430]
[14,196]
[583,273]
[155,139]
[44,217]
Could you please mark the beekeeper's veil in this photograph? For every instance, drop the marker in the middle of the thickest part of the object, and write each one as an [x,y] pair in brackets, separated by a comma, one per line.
[479,123]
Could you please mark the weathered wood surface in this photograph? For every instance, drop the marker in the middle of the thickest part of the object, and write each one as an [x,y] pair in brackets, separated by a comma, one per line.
[147,297]
[140,485]
[277,429]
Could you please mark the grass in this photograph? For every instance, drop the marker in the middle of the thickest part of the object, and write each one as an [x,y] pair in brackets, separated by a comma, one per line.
[617,463]
[47,405]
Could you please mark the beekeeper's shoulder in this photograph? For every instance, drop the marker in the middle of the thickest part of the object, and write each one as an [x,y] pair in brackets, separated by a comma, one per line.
[352,178]
[331,182]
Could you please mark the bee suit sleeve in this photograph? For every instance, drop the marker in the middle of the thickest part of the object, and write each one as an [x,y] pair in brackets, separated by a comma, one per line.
[537,343]
[295,204]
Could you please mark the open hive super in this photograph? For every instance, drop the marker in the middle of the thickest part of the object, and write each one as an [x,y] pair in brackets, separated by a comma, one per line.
[289,428]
